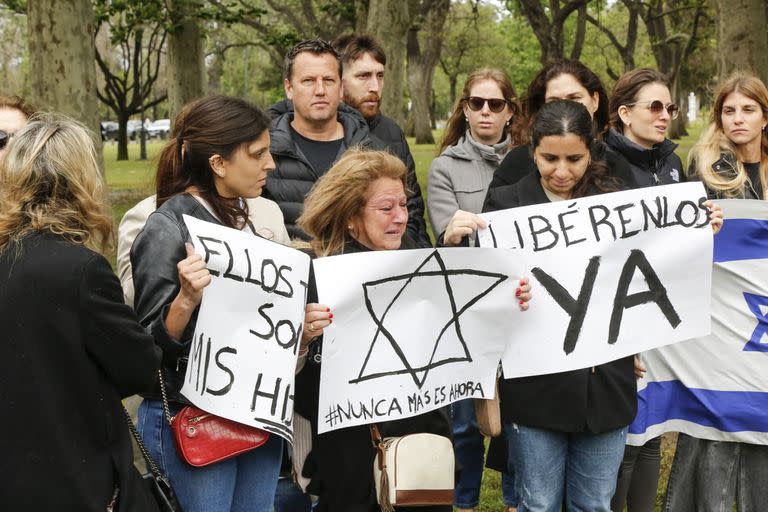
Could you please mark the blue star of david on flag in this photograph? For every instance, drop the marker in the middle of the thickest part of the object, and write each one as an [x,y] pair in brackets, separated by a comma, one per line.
[761,329]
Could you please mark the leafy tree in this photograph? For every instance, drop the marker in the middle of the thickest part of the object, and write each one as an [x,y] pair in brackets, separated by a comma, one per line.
[137,32]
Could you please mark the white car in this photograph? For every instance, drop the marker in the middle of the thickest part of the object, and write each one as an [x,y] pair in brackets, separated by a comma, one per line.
[159,128]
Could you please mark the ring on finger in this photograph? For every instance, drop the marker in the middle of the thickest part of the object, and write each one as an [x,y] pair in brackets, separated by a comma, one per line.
[312,326]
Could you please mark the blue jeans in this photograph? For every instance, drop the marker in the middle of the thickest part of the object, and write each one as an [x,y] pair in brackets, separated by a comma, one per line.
[707,476]
[290,498]
[245,483]
[469,447]
[550,466]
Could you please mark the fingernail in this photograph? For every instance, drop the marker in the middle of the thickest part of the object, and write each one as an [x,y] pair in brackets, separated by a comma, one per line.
[330,321]
[327,310]
[517,293]
[330,316]
[522,302]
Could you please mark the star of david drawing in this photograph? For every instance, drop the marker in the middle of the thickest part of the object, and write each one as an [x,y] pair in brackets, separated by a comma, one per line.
[455,289]
[761,329]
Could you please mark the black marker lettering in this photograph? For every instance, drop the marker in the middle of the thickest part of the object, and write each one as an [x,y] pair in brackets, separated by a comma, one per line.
[656,293]
[576,308]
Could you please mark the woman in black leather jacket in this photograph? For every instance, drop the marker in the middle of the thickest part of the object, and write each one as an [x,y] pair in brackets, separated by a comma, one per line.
[219,155]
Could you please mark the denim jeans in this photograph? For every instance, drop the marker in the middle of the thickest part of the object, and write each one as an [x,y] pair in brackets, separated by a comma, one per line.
[290,498]
[550,466]
[706,476]
[469,447]
[245,483]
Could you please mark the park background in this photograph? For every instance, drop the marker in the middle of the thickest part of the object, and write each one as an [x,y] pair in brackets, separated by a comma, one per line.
[122,63]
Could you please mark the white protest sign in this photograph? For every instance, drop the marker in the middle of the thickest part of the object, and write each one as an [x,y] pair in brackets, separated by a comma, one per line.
[243,356]
[612,275]
[412,331]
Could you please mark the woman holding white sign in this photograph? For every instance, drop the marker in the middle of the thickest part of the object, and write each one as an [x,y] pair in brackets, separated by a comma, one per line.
[485,124]
[218,156]
[358,206]
[731,159]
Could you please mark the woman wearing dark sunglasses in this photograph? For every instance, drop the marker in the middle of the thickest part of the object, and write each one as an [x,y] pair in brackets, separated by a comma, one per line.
[14,113]
[641,111]
[484,125]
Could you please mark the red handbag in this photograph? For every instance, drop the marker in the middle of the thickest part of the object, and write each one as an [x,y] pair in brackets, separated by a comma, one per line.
[203,438]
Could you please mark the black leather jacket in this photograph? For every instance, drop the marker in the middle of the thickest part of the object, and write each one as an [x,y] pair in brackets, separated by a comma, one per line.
[154,255]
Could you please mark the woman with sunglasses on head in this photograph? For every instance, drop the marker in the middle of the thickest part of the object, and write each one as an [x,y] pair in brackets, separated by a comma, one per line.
[731,159]
[484,125]
[14,113]
[563,80]
[641,111]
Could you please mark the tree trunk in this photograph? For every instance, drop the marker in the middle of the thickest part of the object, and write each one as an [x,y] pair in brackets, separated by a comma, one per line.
[742,39]
[388,22]
[185,60]
[62,61]
[421,65]
[122,136]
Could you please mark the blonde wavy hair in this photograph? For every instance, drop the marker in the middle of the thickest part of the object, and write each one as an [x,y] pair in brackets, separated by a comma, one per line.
[713,142]
[50,181]
[341,194]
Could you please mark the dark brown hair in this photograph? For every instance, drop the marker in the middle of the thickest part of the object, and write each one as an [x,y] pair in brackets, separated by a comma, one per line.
[627,89]
[18,103]
[537,90]
[215,125]
[353,46]
[564,117]
[457,124]
[316,46]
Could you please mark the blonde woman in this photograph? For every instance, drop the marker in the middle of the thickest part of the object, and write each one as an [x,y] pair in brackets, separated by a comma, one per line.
[71,349]
[731,159]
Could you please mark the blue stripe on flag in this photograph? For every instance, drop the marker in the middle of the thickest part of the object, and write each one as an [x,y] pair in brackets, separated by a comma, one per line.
[742,239]
[728,411]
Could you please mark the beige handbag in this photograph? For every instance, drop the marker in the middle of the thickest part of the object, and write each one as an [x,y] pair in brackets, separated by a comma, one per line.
[489,415]
[413,470]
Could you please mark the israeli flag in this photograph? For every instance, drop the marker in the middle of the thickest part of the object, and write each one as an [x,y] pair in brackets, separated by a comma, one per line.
[717,387]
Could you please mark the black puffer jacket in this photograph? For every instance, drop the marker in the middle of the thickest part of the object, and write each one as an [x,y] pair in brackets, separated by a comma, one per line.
[295,176]
[656,166]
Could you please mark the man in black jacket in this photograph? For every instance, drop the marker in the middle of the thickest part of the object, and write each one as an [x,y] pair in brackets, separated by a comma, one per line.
[312,130]
[363,61]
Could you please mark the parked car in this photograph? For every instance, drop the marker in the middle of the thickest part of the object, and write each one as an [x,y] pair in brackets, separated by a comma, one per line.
[134,129]
[109,130]
[159,128]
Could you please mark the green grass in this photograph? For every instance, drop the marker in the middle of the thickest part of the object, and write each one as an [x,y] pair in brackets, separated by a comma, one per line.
[131,180]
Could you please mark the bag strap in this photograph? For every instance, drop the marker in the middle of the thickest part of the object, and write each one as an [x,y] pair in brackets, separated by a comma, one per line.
[164,393]
[153,468]
[381,455]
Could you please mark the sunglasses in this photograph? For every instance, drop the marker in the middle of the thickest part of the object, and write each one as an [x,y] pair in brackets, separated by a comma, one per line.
[5,138]
[476,103]
[656,106]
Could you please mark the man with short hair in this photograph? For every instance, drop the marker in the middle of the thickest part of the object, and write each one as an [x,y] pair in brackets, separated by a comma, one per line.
[363,62]
[312,130]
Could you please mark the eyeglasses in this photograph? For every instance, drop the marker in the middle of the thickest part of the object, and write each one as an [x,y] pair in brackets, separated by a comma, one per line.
[5,138]
[656,106]
[476,103]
